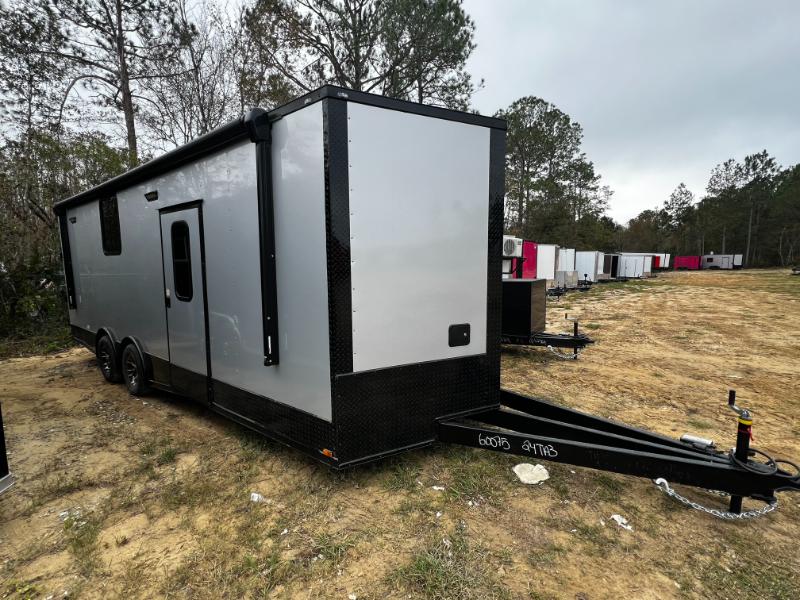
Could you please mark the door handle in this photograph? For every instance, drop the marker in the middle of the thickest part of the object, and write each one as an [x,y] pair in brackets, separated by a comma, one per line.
[167,300]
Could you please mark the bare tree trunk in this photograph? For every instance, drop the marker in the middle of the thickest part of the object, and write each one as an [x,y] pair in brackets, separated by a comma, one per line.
[125,90]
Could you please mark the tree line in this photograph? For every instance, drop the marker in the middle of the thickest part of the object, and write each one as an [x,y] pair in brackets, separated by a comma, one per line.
[91,88]
[751,207]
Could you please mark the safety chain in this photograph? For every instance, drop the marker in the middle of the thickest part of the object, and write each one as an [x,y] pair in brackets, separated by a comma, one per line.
[721,514]
[562,355]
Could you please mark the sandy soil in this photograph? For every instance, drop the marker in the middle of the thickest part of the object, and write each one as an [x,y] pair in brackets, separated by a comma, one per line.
[150,497]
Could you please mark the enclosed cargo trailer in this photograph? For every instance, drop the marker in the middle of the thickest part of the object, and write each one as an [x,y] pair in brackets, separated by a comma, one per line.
[687,263]
[589,265]
[529,259]
[546,262]
[717,261]
[631,266]
[737,261]
[285,270]
[611,265]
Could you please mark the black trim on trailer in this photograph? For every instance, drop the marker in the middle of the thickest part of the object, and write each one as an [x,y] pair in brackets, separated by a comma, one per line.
[340,93]
[66,255]
[266,247]
[83,336]
[6,480]
[275,420]
[337,236]
[494,282]
[159,371]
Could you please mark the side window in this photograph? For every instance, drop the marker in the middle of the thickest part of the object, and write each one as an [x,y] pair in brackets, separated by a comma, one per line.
[709,259]
[109,226]
[181,260]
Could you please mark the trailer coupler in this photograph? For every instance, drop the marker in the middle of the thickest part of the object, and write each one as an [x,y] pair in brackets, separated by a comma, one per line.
[541,430]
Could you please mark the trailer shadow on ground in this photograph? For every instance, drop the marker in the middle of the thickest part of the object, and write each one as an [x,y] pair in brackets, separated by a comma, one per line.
[119,496]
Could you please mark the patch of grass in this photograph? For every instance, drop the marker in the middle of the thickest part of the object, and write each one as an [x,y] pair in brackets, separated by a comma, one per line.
[591,326]
[332,546]
[545,555]
[192,489]
[699,423]
[81,533]
[55,485]
[21,590]
[609,488]
[471,474]
[402,474]
[447,567]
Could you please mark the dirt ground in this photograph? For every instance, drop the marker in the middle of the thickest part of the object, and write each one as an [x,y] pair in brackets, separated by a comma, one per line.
[150,497]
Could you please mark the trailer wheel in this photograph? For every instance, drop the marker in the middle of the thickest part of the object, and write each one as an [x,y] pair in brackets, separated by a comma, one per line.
[107,360]
[133,371]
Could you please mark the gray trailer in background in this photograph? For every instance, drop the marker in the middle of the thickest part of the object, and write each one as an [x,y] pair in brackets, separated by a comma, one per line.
[717,261]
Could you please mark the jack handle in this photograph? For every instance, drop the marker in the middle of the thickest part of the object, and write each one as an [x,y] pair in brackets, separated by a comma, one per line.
[742,412]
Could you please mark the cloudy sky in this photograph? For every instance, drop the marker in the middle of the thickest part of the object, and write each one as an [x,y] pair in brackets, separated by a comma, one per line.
[664,90]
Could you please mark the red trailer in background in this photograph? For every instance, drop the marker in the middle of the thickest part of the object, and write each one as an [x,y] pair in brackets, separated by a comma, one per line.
[656,262]
[529,252]
[687,263]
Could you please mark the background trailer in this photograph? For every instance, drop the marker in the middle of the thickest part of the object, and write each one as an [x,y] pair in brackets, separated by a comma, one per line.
[611,265]
[687,263]
[589,265]
[546,261]
[285,270]
[631,266]
[716,261]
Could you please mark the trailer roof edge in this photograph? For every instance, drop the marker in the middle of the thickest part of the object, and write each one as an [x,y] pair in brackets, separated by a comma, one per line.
[340,93]
[255,126]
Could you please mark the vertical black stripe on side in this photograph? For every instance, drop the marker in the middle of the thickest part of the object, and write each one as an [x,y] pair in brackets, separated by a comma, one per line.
[3,459]
[337,228]
[266,248]
[66,256]
[494,287]
[206,323]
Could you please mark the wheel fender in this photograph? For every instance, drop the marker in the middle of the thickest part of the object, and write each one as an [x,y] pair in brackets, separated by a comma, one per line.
[148,367]
[114,341]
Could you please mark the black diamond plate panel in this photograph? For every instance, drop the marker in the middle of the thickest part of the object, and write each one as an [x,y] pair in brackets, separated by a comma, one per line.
[279,421]
[337,226]
[494,317]
[384,410]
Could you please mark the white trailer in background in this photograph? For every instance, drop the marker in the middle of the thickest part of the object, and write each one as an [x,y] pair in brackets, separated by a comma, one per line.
[647,263]
[546,262]
[566,275]
[631,266]
[589,265]
[737,261]
[566,259]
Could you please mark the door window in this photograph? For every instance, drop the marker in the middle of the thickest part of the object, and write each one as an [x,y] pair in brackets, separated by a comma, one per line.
[181,260]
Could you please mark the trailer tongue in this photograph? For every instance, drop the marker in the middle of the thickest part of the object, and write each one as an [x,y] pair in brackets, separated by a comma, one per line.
[541,430]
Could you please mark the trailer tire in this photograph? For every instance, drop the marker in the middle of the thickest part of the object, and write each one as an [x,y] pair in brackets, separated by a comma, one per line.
[107,360]
[133,371]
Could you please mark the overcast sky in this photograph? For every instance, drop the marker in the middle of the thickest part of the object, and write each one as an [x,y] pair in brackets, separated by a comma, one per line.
[664,90]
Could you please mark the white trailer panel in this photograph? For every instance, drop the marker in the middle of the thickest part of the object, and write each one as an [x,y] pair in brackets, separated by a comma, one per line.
[546,261]
[398,290]
[566,259]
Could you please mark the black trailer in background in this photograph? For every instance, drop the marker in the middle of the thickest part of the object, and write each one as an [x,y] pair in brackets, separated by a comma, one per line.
[6,480]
